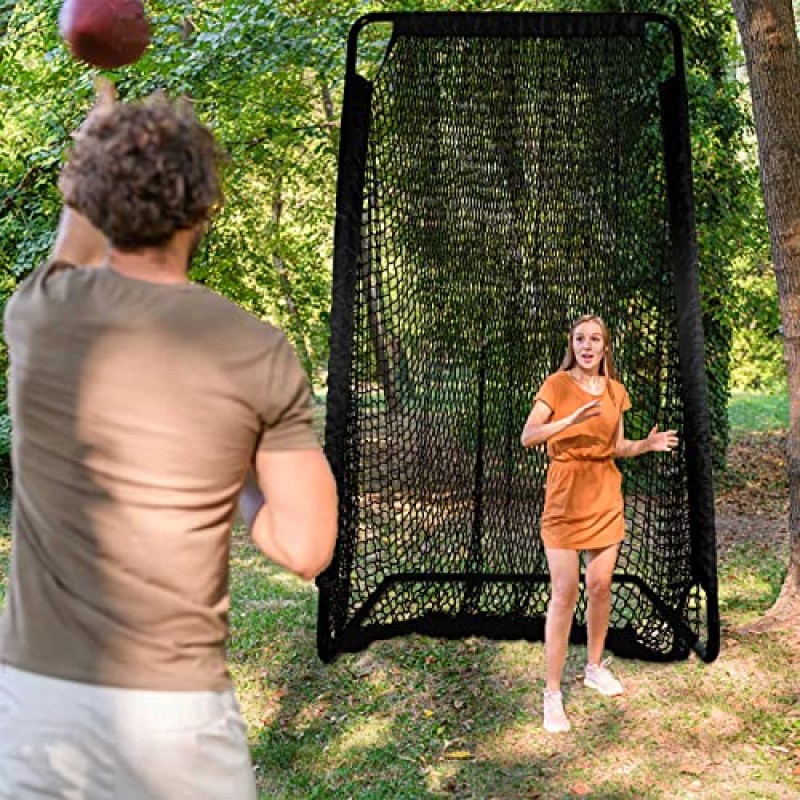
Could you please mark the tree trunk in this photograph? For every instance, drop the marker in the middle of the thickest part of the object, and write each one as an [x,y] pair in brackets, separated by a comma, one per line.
[378,333]
[330,113]
[769,39]
[285,282]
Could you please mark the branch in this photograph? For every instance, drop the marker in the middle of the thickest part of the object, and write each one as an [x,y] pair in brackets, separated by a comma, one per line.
[9,199]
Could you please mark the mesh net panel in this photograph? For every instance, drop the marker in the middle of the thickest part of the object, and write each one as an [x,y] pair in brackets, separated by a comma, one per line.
[500,176]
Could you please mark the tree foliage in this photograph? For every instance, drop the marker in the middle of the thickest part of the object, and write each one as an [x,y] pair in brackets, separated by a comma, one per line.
[267,77]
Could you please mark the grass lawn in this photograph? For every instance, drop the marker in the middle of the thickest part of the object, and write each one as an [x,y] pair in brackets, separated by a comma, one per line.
[748,411]
[424,718]
[416,718]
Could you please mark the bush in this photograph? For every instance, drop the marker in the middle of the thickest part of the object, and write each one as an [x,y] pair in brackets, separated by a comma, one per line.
[757,353]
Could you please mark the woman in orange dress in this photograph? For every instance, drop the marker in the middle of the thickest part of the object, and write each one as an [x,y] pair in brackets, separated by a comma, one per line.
[578,412]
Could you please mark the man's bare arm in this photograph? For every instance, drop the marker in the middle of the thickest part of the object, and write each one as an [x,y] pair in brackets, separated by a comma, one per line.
[295,526]
[78,242]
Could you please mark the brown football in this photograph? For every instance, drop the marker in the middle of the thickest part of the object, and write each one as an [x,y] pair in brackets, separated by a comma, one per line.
[105,33]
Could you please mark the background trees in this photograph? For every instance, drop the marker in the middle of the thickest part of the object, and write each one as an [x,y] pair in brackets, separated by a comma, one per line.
[267,76]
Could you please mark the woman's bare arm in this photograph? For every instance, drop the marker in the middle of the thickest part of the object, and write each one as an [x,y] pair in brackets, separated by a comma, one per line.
[656,442]
[538,427]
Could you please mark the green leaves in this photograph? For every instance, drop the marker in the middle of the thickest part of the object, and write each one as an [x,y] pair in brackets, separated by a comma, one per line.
[267,77]
[260,75]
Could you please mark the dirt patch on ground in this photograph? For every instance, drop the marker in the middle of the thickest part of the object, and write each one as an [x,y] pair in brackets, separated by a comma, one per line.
[752,496]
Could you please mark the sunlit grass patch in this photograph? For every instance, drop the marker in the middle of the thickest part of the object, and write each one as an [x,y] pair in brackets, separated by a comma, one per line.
[753,411]
[750,578]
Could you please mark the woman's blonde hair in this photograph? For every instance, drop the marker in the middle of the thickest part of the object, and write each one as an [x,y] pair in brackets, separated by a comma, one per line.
[607,366]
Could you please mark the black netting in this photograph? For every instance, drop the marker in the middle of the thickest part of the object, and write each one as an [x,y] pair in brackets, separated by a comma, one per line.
[501,175]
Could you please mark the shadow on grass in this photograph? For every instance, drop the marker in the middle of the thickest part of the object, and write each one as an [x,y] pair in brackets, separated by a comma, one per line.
[418,718]
[414,717]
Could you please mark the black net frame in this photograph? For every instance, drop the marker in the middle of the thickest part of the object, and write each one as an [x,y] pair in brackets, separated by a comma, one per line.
[500,175]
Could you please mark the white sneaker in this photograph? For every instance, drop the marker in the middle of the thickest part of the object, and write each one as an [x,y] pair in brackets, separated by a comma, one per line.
[555,720]
[599,677]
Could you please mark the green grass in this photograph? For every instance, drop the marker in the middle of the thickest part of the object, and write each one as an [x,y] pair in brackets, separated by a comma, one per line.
[418,717]
[748,411]
[750,578]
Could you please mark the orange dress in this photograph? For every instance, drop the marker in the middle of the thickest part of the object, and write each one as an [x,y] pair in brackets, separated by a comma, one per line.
[583,505]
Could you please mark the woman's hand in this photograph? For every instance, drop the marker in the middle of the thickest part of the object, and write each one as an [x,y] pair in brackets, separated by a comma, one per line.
[662,442]
[588,411]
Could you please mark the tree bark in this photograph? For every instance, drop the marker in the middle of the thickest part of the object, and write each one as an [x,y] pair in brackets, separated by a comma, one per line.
[285,282]
[378,333]
[330,113]
[769,39]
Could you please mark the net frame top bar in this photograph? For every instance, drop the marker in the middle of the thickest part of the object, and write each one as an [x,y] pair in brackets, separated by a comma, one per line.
[513,25]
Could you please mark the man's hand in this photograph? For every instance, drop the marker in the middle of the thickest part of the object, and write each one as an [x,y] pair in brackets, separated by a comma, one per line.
[105,97]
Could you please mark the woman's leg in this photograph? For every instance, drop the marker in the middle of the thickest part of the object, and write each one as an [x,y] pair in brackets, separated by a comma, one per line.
[563,565]
[599,571]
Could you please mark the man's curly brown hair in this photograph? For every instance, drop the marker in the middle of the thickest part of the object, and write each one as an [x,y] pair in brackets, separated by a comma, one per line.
[142,171]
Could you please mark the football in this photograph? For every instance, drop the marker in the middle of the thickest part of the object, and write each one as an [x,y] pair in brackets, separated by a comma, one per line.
[105,33]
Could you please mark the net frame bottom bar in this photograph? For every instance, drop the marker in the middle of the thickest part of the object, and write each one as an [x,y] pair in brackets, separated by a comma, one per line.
[353,638]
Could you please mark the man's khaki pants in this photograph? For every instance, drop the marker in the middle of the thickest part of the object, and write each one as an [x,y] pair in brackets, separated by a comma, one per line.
[60,739]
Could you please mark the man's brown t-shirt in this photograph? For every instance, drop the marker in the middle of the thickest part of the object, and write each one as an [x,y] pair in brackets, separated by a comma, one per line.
[137,409]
